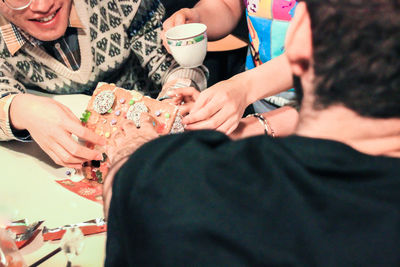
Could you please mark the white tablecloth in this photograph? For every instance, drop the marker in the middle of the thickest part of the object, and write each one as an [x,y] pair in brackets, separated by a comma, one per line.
[28,191]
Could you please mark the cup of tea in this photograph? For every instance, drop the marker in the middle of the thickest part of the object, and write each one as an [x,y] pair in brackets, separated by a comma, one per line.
[188,44]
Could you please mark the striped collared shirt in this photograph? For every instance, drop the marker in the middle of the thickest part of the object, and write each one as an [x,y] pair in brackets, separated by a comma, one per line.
[65,49]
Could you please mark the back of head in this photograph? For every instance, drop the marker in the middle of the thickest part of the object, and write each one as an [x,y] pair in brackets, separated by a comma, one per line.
[357,55]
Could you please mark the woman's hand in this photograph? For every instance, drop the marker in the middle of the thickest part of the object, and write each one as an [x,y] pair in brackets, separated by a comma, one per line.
[283,121]
[182,16]
[52,125]
[219,107]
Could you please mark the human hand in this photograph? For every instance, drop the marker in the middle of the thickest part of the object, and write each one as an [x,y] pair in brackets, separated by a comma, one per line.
[249,126]
[184,98]
[282,122]
[130,138]
[180,93]
[219,107]
[182,16]
[126,142]
[52,125]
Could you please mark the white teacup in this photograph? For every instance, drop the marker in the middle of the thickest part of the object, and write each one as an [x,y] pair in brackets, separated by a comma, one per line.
[188,44]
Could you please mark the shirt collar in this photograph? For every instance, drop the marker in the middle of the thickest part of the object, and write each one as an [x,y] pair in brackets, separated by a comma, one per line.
[15,38]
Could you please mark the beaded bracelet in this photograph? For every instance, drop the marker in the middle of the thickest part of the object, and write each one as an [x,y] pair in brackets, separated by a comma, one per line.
[264,122]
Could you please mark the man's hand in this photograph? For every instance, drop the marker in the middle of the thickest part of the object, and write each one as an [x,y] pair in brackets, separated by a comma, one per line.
[52,125]
[220,107]
[182,16]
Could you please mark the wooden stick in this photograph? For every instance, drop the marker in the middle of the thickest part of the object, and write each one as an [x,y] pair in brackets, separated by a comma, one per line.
[45,258]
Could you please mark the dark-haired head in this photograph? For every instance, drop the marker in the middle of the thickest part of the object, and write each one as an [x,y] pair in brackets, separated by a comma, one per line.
[356,53]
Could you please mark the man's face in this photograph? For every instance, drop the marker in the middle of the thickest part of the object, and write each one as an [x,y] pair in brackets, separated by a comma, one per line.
[45,20]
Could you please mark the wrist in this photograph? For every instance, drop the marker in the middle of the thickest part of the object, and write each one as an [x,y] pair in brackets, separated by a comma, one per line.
[264,123]
[16,112]
[242,85]
[247,127]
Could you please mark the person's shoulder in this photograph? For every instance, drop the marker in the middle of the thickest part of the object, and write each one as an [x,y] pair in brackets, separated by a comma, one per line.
[201,148]
[188,140]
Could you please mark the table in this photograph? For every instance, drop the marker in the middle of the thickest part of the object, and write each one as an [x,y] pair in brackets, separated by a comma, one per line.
[230,42]
[28,191]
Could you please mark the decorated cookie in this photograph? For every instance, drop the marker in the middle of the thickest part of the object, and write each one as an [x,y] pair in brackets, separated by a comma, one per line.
[111,106]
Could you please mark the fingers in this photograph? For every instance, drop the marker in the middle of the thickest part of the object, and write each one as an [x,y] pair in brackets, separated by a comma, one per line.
[69,113]
[228,126]
[184,92]
[178,18]
[232,128]
[73,152]
[128,127]
[74,126]
[55,155]
[209,122]
[181,17]
[147,127]
[84,133]
[185,109]
[207,110]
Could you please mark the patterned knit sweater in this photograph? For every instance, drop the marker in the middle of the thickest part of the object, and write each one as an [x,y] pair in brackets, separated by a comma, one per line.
[119,43]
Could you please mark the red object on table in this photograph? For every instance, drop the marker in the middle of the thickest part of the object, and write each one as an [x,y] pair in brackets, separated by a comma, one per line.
[88,228]
[24,233]
[89,189]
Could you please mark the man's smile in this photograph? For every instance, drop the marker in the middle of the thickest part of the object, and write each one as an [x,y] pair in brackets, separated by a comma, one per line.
[46,19]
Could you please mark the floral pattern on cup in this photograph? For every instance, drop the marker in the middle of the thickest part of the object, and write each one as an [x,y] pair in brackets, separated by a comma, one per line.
[189,41]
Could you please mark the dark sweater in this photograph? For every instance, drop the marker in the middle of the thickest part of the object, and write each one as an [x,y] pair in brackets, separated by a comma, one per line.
[199,199]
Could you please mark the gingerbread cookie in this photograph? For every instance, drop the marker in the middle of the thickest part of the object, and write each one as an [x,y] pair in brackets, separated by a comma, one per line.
[111,106]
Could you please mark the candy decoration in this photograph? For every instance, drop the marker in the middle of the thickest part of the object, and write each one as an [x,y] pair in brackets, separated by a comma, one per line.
[117,113]
[167,115]
[131,102]
[122,100]
[103,102]
[157,113]
[85,116]
[135,111]
[177,126]
[113,121]
[107,134]
[99,176]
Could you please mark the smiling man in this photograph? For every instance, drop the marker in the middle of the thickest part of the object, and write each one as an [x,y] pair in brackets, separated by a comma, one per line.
[46,21]
[326,196]
[67,47]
